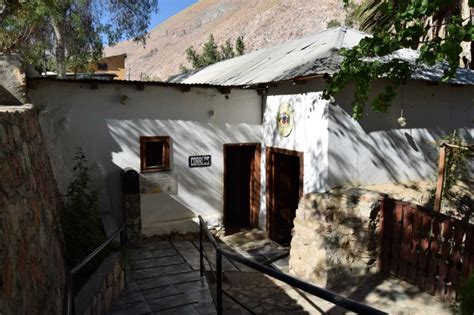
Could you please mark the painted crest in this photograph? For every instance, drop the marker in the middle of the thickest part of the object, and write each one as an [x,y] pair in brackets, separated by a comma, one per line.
[285,119]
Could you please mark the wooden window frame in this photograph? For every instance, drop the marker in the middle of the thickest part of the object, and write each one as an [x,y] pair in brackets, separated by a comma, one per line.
[166,140]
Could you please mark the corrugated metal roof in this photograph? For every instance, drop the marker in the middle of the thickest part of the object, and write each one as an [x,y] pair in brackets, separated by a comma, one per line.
[224,88]
[427,73]
[316,54]
[307,56]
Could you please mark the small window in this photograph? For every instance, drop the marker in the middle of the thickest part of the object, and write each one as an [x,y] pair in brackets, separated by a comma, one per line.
[102,67]
[155,154]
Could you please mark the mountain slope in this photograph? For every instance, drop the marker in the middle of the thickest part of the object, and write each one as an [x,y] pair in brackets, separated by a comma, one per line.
[262,23]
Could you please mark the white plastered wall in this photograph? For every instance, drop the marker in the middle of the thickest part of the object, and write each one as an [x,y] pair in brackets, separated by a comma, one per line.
[376,149]
[75,115]
[309,135]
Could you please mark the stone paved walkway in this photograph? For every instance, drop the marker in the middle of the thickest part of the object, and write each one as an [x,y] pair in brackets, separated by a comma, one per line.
[163,278]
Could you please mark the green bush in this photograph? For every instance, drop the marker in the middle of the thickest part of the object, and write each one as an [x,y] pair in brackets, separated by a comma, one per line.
[466,297]
[333,23]
[81,223]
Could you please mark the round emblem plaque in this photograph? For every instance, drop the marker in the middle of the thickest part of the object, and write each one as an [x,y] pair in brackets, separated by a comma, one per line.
[285,119]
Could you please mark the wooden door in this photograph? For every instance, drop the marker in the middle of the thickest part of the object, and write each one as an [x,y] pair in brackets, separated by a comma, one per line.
[284,190]
[241,186]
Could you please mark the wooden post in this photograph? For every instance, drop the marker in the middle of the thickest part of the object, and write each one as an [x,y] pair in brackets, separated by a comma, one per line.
[441,174]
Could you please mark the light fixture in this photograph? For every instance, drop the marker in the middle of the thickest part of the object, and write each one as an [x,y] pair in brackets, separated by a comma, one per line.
[402,120]
[123,99]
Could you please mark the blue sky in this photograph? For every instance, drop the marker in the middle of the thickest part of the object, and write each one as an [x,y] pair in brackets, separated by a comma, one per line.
[168,8]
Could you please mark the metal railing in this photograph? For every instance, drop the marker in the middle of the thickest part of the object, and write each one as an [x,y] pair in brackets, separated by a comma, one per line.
[68,303]
[324,294]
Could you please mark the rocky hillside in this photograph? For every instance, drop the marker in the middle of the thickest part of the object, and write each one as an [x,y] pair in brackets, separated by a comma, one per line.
[261,23]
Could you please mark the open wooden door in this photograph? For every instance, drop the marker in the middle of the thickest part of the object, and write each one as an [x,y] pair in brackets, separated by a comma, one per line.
[284,190]
[241,186]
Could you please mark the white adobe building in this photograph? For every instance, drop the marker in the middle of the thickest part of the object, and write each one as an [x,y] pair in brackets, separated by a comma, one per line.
[257,126]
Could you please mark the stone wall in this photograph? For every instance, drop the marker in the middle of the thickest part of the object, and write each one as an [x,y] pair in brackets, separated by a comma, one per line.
[103,287]
[31,262]
[335,238]
[12,80]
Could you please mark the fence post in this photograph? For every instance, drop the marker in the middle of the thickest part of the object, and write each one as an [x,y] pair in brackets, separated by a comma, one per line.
[219,281]
[201,254]
[441,174]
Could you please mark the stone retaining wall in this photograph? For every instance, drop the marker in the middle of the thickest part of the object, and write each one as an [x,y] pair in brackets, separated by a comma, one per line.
[103,287]
[31,261]
[335,238]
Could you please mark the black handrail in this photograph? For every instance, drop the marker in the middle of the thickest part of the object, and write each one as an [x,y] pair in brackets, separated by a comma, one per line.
[68,306]
[324,294]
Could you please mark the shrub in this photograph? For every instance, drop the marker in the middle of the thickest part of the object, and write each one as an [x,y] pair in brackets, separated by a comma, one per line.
[82,226]
[466,297]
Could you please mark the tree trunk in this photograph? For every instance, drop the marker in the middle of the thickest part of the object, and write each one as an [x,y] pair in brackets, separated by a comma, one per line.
[467,53]
[60,50]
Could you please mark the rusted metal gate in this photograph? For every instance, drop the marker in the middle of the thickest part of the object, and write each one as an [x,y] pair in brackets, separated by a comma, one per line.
[428,249]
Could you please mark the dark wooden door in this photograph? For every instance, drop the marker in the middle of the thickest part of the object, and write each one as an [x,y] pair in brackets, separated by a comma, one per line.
[241,186]
[285,183]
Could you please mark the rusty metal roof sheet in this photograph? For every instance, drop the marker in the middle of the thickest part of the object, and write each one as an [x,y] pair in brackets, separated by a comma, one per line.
[308,56]
[315,54]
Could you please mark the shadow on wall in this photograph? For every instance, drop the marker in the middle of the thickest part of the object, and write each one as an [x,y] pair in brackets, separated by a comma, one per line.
[309,134]
[200,189]
[377,150]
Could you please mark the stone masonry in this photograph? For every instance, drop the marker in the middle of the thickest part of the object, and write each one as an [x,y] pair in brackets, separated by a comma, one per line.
[103,287]
[13,80]
[31,261]
[335,238]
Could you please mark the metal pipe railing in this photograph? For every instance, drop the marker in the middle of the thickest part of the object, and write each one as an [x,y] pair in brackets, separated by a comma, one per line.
[324,294]
[68,301]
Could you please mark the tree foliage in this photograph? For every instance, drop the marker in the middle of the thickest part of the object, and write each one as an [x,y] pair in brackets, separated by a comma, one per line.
[81,223]
[465,297]
[333,23]
[436,28]
[212,53]
[55,34]
[239,46]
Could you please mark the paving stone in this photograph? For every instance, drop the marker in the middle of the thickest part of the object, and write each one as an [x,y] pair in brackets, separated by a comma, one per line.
[203,295]
[156,253]
[184,245]
[130,302]
[205,308]
[183,310]
[156,262]
[182,277]
[150,245]
[160,271]
[151,283]
[191,286]
[168,302]
[160,292]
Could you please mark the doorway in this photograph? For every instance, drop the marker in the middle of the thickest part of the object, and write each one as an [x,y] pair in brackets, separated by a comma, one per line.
[241,186]
[284,190]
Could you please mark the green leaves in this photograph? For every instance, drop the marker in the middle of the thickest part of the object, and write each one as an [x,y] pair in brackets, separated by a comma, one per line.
[211,53]
[395,25]
[44,30]
[81,223]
